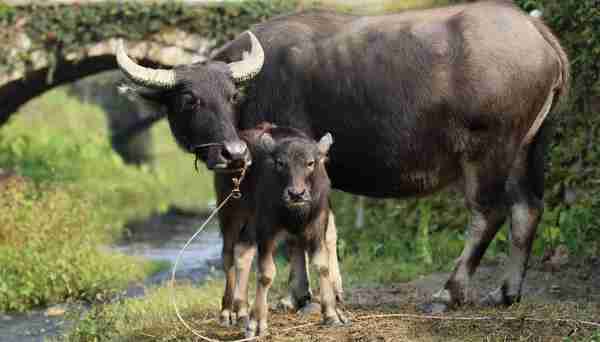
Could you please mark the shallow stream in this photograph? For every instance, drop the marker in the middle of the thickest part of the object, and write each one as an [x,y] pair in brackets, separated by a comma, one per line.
[159,238]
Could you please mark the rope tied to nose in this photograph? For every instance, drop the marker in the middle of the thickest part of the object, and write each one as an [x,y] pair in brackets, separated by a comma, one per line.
[197,148]
[235,194]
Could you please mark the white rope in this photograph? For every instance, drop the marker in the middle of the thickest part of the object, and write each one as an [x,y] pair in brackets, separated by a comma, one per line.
[233,194]
[173,298]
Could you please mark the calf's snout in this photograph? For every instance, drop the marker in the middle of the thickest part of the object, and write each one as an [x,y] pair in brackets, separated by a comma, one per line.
[296,195]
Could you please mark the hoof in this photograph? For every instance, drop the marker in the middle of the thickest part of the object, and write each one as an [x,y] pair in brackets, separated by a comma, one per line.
[333,321]
[343,318]
[433,308]
[498,297]
[226,319]
[340,319]
[254,329]
[286,304]
[251,329]
[243,321]
[291,304]
[310,309]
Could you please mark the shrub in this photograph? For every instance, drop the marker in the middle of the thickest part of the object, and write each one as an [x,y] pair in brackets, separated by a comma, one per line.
[70,198]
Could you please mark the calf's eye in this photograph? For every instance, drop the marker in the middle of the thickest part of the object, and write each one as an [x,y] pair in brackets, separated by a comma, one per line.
[279,164]
[310,164]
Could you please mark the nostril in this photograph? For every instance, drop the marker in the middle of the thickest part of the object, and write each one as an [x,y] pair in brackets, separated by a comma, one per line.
[234,151]
[295,194]
[225,154]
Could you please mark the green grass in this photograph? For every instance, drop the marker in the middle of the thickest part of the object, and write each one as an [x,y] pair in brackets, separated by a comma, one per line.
[150,318]
[393,245]
[71,197]
[153,318]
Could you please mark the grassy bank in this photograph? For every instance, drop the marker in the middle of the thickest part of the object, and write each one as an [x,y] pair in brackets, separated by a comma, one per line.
[70,194]
[373,312]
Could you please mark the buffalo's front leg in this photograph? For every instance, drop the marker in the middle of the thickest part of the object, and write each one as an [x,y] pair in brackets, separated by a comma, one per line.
[244,254]
[257,325]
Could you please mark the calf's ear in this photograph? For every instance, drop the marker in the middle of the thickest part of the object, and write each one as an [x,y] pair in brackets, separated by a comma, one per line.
[325,143]
[267,143]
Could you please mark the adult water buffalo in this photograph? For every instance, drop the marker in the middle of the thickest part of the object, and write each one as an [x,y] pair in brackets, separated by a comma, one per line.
[416,100]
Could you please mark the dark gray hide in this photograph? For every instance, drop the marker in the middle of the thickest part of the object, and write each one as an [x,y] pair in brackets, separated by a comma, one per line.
[416,101]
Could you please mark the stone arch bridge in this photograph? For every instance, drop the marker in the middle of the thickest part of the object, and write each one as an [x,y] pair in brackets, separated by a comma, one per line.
[46,66]
[31,78]
[37,57]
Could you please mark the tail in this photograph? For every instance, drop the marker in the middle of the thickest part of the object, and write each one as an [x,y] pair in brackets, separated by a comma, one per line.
[560,89]
[541,132]
[562,84]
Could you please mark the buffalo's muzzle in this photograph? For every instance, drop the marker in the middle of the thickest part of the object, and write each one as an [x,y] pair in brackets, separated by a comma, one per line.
[232,155]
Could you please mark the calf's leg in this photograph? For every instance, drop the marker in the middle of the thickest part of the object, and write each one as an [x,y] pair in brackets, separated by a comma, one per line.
[299,292]
[320,259]
[300,295]
[257,325]
[334,267]
[244,254]
[230,227]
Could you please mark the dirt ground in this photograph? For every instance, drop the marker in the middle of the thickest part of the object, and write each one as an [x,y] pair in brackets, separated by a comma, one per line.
[553,303]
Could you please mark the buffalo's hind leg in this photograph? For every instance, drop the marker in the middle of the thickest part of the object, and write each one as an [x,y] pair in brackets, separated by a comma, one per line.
[487,201]
[526,190]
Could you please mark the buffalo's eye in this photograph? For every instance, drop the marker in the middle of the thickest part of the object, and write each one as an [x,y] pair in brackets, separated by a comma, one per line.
[310,164]
[187,100]
[233,98]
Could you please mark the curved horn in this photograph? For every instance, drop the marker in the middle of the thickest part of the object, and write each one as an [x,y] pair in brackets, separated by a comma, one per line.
[252,62]
[148,77]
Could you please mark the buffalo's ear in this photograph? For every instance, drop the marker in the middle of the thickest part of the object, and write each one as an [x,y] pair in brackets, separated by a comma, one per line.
[151,100]
[267,143]
[325,143]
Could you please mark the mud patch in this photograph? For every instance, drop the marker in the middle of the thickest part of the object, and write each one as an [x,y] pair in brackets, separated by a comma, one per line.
[553,308]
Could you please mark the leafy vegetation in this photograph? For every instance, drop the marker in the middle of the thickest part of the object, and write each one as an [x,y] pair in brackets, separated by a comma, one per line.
[71,196]
[71,168]
[61,30]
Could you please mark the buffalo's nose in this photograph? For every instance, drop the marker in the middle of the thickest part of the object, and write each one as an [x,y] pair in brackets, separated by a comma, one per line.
[296,194]
[234,151]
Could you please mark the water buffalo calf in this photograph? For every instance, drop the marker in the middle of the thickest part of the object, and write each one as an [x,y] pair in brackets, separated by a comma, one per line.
[285,193]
